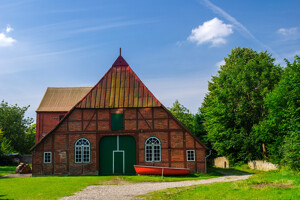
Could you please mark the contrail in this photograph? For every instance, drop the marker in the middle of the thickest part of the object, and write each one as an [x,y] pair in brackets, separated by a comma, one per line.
[241,28]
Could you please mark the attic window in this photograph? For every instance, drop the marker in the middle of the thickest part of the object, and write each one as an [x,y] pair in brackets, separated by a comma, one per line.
[116,122]
[60,117]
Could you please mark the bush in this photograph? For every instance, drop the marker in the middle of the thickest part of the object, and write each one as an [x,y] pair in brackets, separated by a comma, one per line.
[291,151]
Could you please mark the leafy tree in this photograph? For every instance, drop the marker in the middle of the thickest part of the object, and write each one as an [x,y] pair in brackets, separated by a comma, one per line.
[282,122]
[291,151]
[235,103]
[14,125]
[199,129]
[5,147]
[183,115]
[29,139]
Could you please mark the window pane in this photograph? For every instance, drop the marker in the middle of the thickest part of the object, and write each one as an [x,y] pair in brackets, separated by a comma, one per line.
[78,153]
[47,157]
[156,153]
[152,149]
[86,154]
[190,155]
[148,153]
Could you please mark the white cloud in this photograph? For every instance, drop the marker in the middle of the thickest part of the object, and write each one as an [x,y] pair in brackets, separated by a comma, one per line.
[222,62]
[213,31]
[289,33]
[9,28]
[6,41]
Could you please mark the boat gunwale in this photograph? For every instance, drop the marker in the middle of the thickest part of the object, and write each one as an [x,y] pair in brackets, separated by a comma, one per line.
[161,167]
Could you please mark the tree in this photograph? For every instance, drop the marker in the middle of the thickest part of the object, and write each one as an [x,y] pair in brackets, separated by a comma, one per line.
[5,147]
[235,103]
[282,122]
[199,129]
[183,115]
[14,125]
[29,139]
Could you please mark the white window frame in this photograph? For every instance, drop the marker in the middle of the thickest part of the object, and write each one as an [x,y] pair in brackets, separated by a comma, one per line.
[152,146]
[50,161]
[187,155]
[82,151]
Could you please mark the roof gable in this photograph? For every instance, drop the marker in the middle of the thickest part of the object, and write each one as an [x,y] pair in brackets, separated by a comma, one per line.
[120,87]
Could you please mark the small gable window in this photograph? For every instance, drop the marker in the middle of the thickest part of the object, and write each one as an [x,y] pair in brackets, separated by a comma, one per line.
[116,122]
[82,151]
[152,150]
[190,154]
[60,117]
[47,157]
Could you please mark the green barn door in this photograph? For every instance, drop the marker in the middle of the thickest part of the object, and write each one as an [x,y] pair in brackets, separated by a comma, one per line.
[117,155]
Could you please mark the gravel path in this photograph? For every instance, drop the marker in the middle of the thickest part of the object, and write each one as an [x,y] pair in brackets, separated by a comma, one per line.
[128,191]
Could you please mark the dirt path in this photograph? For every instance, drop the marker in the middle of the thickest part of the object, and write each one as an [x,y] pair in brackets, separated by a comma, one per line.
[128,191]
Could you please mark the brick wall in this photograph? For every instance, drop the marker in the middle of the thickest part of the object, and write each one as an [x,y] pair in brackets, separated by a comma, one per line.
[45,122]
[93,124]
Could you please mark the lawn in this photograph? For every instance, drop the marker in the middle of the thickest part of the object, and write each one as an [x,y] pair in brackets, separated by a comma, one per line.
[46,187]
[264,185]
[54,187]
[7,170]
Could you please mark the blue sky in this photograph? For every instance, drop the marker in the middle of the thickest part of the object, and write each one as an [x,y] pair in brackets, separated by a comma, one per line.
[173,46]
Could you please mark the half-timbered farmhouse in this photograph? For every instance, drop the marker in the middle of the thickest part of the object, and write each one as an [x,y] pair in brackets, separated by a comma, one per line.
[108,128]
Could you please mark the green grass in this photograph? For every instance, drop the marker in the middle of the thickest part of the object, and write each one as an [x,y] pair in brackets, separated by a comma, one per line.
[264,185]
[46,187]
[54,187]
[212,174]
[7,170]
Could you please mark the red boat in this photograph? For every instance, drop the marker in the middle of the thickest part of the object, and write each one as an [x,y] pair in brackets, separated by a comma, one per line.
[156,170]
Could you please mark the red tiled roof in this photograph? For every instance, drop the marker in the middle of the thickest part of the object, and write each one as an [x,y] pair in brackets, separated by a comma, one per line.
[119,88]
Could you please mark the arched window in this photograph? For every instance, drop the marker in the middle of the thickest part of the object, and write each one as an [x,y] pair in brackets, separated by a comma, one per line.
[82,151]
[152,150]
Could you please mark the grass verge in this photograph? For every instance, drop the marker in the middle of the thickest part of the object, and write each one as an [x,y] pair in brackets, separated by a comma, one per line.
[264,185]
[152,178]
[7,170]
[54,187]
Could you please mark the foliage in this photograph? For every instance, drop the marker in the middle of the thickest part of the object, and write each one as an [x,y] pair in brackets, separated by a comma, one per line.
[14,125]
[5,147]
[235,103]
[183,115]
[282,122]
[193,122]
[29,139]
[267,185]
[291,151]
[199,129]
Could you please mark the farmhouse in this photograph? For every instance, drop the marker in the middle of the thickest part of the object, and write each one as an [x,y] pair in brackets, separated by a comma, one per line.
[108,128]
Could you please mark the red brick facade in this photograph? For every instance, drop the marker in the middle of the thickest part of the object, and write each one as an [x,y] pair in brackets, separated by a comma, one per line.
[93,124]
[119,91]
[45,122]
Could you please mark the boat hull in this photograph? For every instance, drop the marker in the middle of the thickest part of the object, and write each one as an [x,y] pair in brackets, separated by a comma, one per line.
[153,170]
